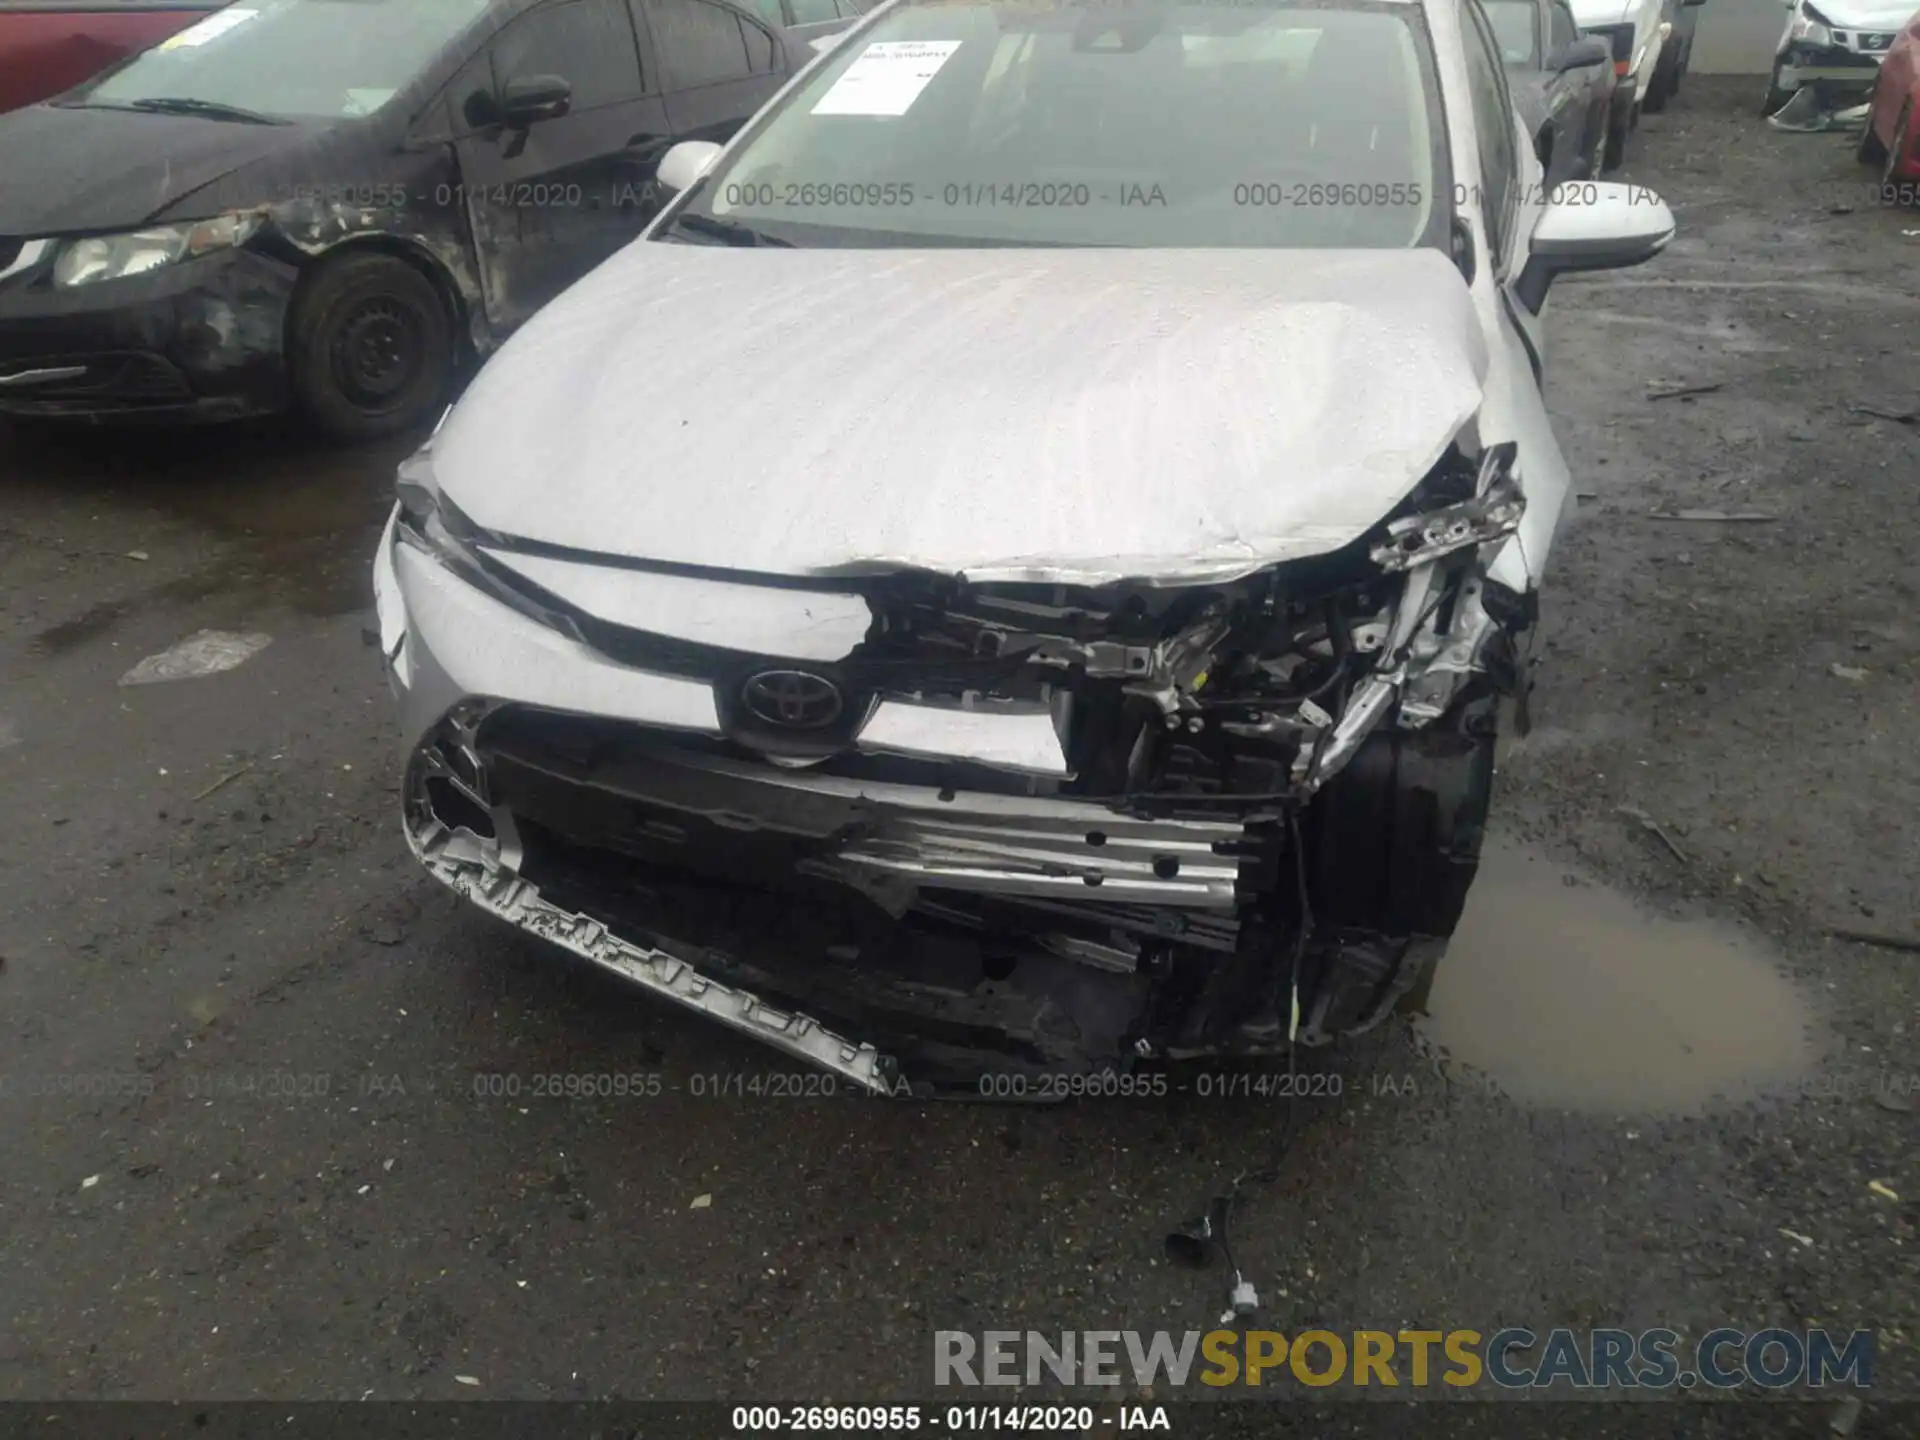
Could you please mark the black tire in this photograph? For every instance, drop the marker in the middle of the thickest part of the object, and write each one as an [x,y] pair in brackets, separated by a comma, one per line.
[1889,174]
[370,347]
[1869,151]
[1619,125]
[1660,87]
[1394,841]
[1776,97]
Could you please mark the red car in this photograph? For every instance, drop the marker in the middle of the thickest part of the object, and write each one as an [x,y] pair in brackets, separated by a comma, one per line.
[48,46]
[1892,134]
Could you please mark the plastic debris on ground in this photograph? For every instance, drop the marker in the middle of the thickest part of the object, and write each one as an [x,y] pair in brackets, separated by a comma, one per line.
[1809,113]
[206,652]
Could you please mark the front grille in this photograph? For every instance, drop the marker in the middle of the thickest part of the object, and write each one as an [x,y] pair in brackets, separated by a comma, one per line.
[147,377]
[1873,44]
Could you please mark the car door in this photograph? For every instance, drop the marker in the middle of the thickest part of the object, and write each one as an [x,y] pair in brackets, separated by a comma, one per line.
[720,65]
[550,199]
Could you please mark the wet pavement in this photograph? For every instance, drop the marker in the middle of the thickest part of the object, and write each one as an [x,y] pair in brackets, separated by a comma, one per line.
[282,1120]
[1566,994]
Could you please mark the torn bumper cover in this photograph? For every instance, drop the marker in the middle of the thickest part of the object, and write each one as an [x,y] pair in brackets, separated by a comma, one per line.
[1840,62]
[912,828]
[198,340]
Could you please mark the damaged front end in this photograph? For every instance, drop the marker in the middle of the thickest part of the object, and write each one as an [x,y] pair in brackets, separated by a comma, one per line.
[908,827]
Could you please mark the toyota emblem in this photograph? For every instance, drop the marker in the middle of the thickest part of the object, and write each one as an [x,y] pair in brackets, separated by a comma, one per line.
[792,698]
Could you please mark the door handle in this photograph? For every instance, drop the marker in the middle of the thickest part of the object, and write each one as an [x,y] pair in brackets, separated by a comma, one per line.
[647,147]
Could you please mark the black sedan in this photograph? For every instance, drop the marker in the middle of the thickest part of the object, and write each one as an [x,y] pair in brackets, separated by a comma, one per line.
[327,205]
[1562,82]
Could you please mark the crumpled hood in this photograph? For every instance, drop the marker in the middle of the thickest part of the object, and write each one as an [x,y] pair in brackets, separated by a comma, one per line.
[1867,14]
[67,170]
[1075,416]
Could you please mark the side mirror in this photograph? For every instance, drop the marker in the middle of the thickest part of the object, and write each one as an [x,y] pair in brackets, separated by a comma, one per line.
[1593,225]
[533,98]
[683,165]
[1587,50]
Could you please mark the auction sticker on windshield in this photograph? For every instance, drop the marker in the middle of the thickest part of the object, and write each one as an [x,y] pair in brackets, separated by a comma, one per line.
[211,28]
[887,78]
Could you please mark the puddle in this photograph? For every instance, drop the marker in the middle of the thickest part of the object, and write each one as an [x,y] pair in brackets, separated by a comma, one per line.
[257,479]
[1573,997]
[320,578]
[71,634]
[298,520]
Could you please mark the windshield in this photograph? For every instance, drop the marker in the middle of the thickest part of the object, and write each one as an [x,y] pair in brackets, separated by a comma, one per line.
[327,59]
[1514,27]
[1167,124]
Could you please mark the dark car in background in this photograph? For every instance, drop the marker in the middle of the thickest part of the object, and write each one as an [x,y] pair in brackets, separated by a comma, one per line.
[1676,53]
[1562,83]
[47,46]
[811,16]
[327,205]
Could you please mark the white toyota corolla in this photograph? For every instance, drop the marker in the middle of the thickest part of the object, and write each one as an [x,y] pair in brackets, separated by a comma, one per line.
[1016,572]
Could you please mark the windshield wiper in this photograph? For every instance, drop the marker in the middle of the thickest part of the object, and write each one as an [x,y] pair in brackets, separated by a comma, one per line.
[731,231]
[206,109]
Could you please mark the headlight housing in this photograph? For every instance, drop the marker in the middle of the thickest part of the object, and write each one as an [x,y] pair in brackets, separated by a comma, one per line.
[434,525]
[115,257]
[1810,25]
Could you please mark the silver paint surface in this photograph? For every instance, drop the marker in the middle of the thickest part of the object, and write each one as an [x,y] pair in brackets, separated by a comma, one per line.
[1079,416]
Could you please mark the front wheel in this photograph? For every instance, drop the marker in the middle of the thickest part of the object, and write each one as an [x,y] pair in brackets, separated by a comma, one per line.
[1660,87]
[370,347]
[1869,150]
[1619,125]
[1902,132]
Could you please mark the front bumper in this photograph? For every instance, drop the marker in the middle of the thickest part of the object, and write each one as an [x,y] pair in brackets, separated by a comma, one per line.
[894,924]
[1839,68]
[202,340]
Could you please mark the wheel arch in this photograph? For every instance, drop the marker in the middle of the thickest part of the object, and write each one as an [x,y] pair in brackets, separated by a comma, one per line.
[458,292]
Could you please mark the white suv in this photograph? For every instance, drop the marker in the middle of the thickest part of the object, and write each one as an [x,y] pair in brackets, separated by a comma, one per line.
[1637,31]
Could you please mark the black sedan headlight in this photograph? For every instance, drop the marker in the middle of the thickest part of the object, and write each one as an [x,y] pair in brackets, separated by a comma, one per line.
[115,257]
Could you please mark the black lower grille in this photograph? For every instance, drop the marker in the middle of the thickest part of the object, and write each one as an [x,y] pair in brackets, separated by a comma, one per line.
[131,379]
